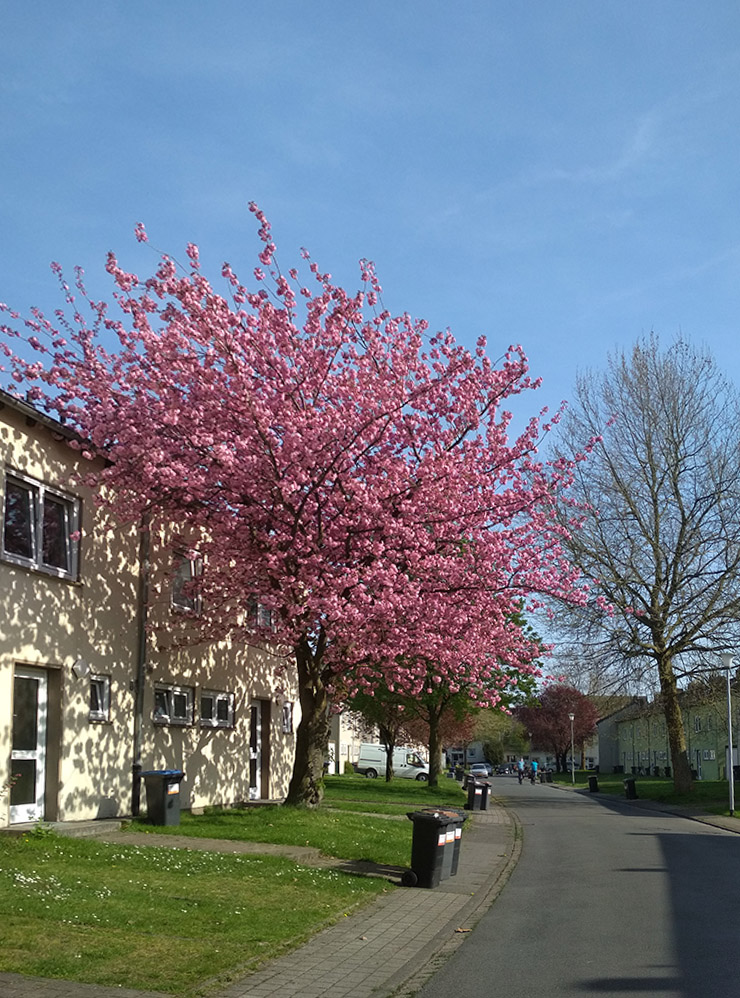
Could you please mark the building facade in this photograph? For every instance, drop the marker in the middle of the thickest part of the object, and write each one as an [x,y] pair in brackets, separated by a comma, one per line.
[642,738]
[96,683]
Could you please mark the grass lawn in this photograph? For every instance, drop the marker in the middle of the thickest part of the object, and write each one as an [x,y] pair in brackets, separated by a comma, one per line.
[708,795]
[155,918]
[186,922]
[345,825]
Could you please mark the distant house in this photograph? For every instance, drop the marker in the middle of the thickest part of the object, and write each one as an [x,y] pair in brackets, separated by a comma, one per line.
[608,752]
[642,737]
[89,695]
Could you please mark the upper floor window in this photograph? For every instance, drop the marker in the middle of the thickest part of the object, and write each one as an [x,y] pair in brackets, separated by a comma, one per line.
[187,567]
[259,615]
[40,526]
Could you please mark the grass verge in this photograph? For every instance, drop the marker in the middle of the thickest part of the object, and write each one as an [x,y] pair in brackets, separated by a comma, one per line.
[155,918]
[184,922]
[355,821]
[707,795]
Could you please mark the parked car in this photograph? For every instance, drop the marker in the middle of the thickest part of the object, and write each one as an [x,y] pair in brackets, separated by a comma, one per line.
[407,763]
[504,769]
[479,771]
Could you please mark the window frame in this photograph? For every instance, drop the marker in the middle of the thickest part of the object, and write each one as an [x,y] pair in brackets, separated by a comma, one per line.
[102,714]
[179,602]
[259,616]
[287,717]
[168,717]
[218,696]
[38,493]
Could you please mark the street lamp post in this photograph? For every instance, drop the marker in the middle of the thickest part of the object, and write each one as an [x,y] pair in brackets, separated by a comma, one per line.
[572,751]
[727,660]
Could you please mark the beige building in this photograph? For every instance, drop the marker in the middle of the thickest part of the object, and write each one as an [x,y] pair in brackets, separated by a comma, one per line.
[95,681]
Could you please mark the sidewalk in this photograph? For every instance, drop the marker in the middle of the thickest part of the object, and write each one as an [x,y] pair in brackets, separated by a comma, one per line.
[389,948]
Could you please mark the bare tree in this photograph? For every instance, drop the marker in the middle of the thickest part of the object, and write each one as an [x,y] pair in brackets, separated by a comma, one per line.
[659,513]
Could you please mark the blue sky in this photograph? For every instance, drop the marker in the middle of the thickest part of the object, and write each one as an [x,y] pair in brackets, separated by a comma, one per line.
[560,174]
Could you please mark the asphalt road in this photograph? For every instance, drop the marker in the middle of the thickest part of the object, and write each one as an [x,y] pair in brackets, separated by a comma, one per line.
[607,900]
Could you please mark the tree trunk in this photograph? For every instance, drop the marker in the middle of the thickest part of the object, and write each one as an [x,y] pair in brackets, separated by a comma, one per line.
[435,749]
[312,737]
[388,741]
[682,781]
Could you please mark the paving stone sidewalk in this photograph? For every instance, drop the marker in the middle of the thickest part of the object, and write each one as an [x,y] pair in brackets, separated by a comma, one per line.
[388,948]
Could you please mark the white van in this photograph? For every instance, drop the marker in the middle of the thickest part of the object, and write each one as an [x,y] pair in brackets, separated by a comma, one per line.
[407,763]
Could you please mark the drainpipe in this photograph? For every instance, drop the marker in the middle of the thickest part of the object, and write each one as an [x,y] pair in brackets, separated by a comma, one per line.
[141,663]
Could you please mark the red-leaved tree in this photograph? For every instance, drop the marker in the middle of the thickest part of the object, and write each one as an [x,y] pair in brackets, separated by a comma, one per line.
[548,723]
[352,472]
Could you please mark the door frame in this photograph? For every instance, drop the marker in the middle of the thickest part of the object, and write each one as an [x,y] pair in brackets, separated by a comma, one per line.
[33,811]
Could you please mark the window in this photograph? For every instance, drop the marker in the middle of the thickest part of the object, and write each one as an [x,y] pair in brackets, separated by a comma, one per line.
[173,705]
[99,698]
[216,709]
[259,615]
[40,526]
[188,566]
[288,718]
[697,722]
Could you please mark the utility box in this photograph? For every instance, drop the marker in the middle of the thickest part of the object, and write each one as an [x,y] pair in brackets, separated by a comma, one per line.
[163,795]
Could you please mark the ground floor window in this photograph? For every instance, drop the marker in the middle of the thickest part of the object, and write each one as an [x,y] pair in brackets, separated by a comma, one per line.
[99,698]
[216,709]
[173,704]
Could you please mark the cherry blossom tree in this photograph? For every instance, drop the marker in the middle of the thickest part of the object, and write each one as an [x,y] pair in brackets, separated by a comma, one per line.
[349,470]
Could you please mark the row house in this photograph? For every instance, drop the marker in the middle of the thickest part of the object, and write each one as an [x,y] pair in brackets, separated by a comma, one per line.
[94,684]
[642,737]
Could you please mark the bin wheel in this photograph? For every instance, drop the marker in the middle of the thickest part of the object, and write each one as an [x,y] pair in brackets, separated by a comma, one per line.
[422,778]
[371,774]
[409,879]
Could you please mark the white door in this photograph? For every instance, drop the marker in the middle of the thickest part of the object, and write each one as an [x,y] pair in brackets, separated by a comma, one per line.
[28,752]
[255,750]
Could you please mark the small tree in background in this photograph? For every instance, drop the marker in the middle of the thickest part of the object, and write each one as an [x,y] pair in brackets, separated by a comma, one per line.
[384,710]
[501,734]
[548,723]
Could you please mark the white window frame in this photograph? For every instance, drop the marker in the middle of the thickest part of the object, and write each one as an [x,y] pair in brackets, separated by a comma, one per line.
[187,566]
[163,712]
[259,615]
[288,717]
[39,493]
[217,697]
[102,684]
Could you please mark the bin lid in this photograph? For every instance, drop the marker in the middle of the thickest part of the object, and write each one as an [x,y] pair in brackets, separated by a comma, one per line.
[174,773]
[440,816]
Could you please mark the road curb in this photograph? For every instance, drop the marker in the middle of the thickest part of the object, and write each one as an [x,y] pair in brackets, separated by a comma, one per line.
[439,950]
